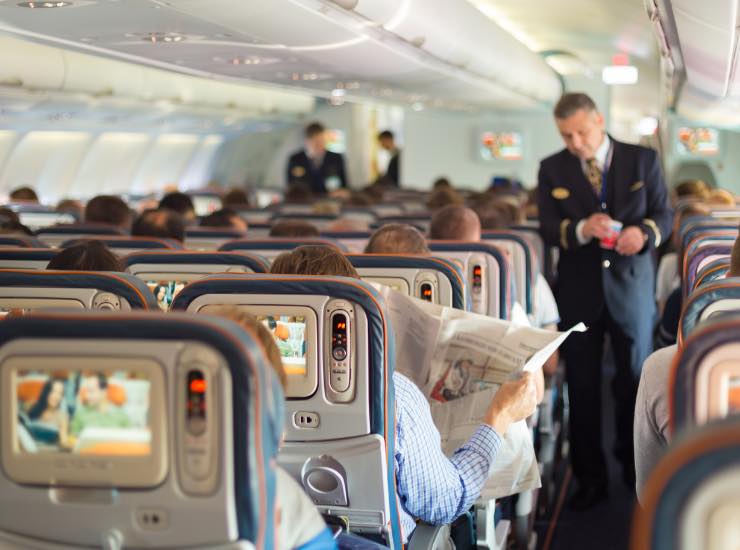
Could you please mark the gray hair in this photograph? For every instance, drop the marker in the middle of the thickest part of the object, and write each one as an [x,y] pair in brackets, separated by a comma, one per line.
[570,103]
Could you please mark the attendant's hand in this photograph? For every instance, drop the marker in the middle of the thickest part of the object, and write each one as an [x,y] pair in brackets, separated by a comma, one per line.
[596,226]
[513,401]
[631,240]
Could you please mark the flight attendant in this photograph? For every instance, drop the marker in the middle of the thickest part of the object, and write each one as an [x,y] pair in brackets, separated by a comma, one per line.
[320,170]
[604,204]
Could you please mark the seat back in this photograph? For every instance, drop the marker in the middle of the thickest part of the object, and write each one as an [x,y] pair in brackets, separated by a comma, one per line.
[354,241]
[166,272]
[205,202]
[320,221]
[421,221]
[27,289]
[272,247]
[712,271]
[337,348]
[691,499]
[713,298]
[522,261]
[700,257]
[207,238]
[26,258]
[705,379]
[174,423]
[486,271]
[36,217]
[58,234]
[23,241]
[122,246]
[432,279]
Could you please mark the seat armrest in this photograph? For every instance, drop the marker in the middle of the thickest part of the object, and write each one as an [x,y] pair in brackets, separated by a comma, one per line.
[431,537]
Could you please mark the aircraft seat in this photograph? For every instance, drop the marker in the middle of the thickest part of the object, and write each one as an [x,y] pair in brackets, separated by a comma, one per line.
[711,299]
[320,221]
[700,257]
[705,379]
[35,216]
[338,349]
[26,258]
[122,246]
[55,235]
[432,279]
[691,499]
[487,274]
[190,462]
[28,289]
[210,238]
[354,241]
[523,262]
[272,247]
[712,271]
[18,240]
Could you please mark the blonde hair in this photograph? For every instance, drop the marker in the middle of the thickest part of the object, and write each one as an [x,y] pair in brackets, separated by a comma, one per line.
[720,197]
[313,260]
[247,320]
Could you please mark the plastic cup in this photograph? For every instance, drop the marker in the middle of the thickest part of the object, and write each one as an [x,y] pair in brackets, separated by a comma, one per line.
[610,241]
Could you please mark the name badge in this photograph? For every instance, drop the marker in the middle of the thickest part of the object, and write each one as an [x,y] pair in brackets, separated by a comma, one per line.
[298,171]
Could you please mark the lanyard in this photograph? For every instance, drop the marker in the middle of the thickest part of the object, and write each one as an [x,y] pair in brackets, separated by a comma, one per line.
[605,174]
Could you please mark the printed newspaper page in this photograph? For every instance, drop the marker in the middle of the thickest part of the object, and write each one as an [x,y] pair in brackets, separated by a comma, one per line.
[459,360]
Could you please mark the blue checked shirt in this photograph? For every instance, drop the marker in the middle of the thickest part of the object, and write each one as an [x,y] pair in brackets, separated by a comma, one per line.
[432,487]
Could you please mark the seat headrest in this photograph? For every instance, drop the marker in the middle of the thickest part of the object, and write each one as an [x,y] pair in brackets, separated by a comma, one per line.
[278,244]
[124,285]
[135,243]
[252,261]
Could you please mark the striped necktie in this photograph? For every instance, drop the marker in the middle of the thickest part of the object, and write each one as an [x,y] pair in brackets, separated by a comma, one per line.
[593,173]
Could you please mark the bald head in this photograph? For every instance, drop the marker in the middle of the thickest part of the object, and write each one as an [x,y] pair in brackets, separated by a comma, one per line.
[455,223]
[397,238]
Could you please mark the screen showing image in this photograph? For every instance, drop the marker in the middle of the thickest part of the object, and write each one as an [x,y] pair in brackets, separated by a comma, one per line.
[290,336]
[165,291]
[103,413]
[698,141]
[733,397]
[500,146]
[336,142]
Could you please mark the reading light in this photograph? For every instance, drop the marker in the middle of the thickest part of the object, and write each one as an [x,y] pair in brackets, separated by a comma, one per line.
[619,74]
[337,96]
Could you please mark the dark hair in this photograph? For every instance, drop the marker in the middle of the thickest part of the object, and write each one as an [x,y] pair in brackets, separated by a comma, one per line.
[452,222]
[24,194]
[313,260]
[441,182]
[314,129]
[177,201]
[87,255]
[294,228]
[108,209]
[385,134]
[444,196]
[235,198]
[692,188]
[572,102]
[298,193]
[735,259]
[397,238]
[490,213]
[219,218]
[160,222]
[42,402]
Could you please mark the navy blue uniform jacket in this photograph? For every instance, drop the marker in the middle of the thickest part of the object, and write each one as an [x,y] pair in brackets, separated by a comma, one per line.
[302,170]
[589,277]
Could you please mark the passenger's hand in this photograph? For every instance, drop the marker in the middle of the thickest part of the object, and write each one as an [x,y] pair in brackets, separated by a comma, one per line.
[597,226]
[513,401]
[630,241]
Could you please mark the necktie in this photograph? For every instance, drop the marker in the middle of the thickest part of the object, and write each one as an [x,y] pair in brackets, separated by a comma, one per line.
[593,173]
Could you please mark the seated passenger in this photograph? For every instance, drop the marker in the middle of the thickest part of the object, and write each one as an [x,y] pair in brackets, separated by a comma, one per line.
[651,433]
[95,410]
[71,206]
[691,189]
[225,218]
[161,223]
[180,203]
[347,224]
[444,196]
[455,223]
[108,210]
[397,238]
[440,183]
[294,228]
[299,522]
[431,487]
[235,198]
[24,194]
[721,197]
[11,224]
[298,193]
[50,408]
[86,255]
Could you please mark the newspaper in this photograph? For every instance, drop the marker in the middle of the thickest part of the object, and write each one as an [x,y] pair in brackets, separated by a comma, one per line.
[459,360]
